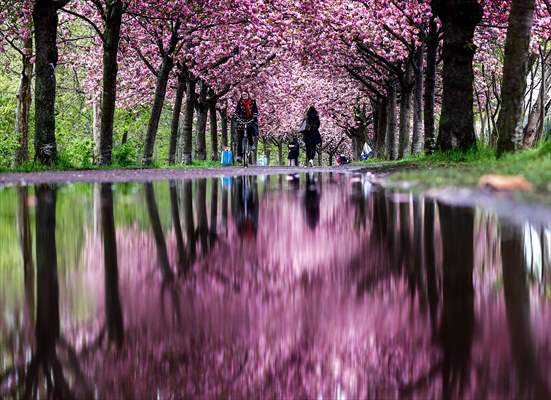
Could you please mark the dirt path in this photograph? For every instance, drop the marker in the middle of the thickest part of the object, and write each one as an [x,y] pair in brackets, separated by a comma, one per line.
[145,175]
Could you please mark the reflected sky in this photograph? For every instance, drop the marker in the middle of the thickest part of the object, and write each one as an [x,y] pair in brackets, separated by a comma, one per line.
[299,286]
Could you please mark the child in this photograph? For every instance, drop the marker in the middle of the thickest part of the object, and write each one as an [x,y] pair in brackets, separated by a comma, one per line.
[294,149]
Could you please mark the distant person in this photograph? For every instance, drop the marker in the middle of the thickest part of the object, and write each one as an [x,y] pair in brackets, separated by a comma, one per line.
[310,130]
[367,152]
[294,151]
[246,110]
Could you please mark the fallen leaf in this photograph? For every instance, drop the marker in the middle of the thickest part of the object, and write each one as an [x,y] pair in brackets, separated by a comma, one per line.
[505,182]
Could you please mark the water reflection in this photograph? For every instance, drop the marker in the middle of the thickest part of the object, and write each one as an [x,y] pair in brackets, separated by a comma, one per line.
[311,286]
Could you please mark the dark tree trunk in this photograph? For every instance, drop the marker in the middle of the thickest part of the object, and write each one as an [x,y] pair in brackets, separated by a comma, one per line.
[26,242]
[201,211]
[515,68]
[224,126]
[418,133]
[182,266]
[531,382]
[213,122]
[156,227]
[201,125]
[391,136]
[187,126]
[175,124]
[459,19]
[430,87]
[458,310]
[24,100]
[188,218]
[111,39]
[113,309]
[280,152]
[45,22]
[156,110]
[406,108]
[47,293]
[380,116]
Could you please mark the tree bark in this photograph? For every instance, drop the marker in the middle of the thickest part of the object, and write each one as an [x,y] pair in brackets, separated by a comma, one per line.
[113,309]
[187,126]
[224,126]
[418,133]
[201,126]
[24,100]
[280,152]
[96,127]
[213,122]
[380,109]
[459,20]
[534,127]
[391,136]
[158,103]
[406,108]
[45,22]
[111,39]
[430,87]
[515,67]
[175,125]
[156,227]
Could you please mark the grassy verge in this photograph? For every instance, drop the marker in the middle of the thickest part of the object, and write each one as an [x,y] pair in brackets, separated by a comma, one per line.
[465,169]
[62,166]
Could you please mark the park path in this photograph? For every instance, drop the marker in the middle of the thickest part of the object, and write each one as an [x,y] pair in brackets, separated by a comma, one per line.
[145,175]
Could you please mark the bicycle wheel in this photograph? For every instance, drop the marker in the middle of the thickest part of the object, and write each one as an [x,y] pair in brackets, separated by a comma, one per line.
[245,147]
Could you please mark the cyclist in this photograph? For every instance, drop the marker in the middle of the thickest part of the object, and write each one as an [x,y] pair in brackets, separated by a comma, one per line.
[246,110]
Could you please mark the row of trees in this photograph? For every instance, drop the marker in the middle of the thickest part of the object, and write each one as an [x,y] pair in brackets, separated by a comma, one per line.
[409,75]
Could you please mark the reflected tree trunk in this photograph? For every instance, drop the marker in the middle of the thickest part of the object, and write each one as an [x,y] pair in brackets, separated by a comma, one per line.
[177,227]
[113,309]
[188,217]
[26,243]
[457,321]
[160,243]
[517,303]
[213,211]
[430,261]
[201,210]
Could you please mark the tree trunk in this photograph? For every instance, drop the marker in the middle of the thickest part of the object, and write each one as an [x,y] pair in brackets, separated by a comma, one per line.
[280,152]
[111,39]
[224,126]
[418,133]
[201,126]
[213,122]
[391,137]
[175,125]
[459,19]
[156,227]
[515,67]
[45,22]
[380,132]
[534,127]
[24,100]
[430,87]
[113,309]
[406,108]
[187,126]
[96,127]
[158,103]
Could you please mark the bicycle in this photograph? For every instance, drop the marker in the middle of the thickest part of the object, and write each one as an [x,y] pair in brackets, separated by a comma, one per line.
[245,146]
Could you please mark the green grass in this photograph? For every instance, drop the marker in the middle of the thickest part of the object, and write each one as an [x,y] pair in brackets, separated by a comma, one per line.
[455,168]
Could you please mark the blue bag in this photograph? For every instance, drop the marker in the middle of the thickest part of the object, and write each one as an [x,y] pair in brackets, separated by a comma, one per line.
[227,157]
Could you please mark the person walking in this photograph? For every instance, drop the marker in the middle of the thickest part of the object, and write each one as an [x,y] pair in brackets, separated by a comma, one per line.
[294,151]
[311,134]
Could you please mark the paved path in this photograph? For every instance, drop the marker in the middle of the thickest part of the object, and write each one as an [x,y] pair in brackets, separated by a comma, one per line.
[144,175]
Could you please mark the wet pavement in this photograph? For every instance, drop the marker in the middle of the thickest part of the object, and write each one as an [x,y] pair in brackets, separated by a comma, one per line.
[318,285]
